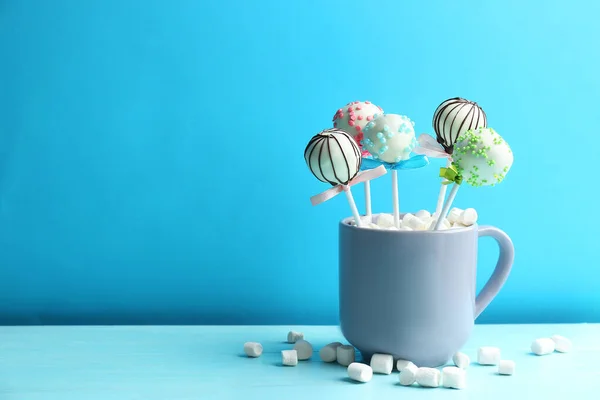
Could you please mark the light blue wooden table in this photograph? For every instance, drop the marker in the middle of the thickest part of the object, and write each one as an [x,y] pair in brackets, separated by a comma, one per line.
[207,362]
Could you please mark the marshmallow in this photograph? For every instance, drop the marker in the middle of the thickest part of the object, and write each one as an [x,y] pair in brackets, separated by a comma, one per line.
[345,355]
[423,214]
[405,228]
[561,344]
[304,349]
[454,378]
[393,228]
[372,226]
[454,215]
[542,346]
[289,357]
[428,377]
[461,360]
[407,217]
[253,349]
[415,223]
[506,367]
[293,336]
[408,375]
[488,355]
[385,220]
[329,353]
[445,225]
[382,363]
[360,372]
[468,217]
[403,364]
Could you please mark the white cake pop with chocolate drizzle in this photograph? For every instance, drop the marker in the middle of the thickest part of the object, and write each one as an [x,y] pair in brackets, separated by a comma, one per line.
[354,116]
[454,117]
[333,157]
[390,137]
[482,157]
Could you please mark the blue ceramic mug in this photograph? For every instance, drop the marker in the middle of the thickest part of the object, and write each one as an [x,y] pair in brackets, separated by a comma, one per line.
[412,293]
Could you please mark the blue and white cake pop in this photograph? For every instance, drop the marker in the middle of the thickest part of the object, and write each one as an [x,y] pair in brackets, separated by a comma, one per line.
[390,137]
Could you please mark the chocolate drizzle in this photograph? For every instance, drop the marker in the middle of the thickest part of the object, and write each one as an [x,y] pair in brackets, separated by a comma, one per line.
[447,124]
[322,143]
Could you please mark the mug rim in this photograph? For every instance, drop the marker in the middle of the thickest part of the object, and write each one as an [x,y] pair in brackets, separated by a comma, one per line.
[346,223]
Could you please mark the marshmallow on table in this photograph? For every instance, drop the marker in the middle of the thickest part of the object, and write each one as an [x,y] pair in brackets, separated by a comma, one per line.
[360,372]
[428,377]
[345,355]
[408,375]
[289,357]
[461,360]
[454,378]
[506,367]
[253,349]
[488,355]
[542,346]
[468,217]
[561,344]
[382,363]
[293,336]
[304,349]
[329,353]
[402,364]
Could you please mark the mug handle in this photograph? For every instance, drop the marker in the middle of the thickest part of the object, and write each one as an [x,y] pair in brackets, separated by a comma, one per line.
[503,266]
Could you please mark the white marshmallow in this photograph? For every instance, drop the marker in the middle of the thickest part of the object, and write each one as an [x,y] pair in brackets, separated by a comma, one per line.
[428,377]
[372,226]
[488,355]
[454,214]
[408,376]
[468,217]
[461,360]
[405,228]
[293,336]
[385,220]
[329,353]
[407,217]
[289,357]
[345,355]
[393,228]
[360,372]
[415,223]
[543,346]
[253,349]
[457,225]
[382,363]
[402,364]
[445,225]
[506,367]
[304,349]
[561,344]
[423,214]
[454,378]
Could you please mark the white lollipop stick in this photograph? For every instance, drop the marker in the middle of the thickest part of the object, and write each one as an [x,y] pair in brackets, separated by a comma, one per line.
[442,195]
[447,206]
[352,205]
[395,199]
[368,199]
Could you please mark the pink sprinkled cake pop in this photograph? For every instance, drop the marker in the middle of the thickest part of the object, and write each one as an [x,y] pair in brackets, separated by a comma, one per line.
[353,117]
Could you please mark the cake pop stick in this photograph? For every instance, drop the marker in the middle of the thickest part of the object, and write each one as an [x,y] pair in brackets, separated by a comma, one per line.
[481,158]
[452,118]
[352,119]
[429,147]
[391,138]
[334,157]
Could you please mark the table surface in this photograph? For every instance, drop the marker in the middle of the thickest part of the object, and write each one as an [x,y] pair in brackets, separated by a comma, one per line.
[207,362]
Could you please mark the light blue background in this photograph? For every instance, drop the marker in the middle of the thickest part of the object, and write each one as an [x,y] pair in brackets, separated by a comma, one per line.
[151,165]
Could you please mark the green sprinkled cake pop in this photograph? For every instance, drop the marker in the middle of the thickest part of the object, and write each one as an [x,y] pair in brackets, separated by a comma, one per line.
[482,157]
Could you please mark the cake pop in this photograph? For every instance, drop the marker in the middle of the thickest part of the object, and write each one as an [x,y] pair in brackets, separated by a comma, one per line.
[333,157]
[454,117]
[354,116]
[481,158]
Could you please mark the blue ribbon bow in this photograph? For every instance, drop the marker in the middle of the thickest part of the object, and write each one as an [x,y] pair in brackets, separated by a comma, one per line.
[414,162]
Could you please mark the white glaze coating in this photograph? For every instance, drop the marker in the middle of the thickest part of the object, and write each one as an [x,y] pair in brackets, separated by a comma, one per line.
[390,137]
[482,157]
[333,156]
